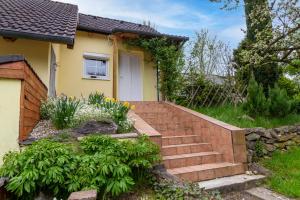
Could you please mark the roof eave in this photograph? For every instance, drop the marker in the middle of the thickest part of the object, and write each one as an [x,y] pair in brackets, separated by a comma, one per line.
[143,33]
[35,36]
[86,29]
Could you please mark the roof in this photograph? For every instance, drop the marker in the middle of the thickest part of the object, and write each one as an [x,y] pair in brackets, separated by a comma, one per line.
[38,19]
[57,22]
[11,58]
[109,26]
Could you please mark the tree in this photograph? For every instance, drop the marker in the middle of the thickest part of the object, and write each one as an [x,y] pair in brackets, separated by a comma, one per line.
[207,58]
[273,36]
[208,55]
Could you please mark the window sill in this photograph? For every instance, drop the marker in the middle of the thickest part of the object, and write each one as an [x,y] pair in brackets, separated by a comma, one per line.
[96,79]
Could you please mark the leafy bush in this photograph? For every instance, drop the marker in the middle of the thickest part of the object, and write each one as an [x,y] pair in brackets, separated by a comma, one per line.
[46,108]
[63,112]
[259,149]
[198,91]
[295,105]
[45,165]
[256,102]
[280,103]
[96,98]
[291,86]
[99,162]
[169,190]
[140,154]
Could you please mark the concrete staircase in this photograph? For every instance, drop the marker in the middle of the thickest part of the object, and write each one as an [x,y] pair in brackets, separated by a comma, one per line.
[194,147]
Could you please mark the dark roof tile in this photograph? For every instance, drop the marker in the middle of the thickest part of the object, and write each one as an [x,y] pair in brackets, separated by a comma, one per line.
[109,26]
[106,25]
[38,19]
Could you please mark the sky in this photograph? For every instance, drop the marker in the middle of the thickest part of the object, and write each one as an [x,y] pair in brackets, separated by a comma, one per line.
[177,17]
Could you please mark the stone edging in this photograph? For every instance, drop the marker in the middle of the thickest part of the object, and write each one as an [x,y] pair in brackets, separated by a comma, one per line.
[265,141]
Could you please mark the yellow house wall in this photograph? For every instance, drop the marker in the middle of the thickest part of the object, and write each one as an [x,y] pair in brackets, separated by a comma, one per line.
[149,79]
[35,52]
[9,115]
[70,79]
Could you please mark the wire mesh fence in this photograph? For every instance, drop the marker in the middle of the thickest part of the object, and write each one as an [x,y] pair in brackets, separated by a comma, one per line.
[217,95]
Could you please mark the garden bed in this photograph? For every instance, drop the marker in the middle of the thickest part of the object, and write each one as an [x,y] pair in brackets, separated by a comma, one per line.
[78,118]
[45,130]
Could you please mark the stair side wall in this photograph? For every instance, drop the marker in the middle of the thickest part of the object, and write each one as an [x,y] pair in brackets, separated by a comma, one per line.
[226,139]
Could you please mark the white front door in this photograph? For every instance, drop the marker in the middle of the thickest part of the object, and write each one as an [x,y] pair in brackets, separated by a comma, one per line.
[130,78]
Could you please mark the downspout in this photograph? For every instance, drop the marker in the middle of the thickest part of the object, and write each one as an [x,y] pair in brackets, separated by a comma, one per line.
[115,57]
[157,81]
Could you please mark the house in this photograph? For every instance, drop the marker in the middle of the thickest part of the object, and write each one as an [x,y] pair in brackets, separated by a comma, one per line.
[48,48]
[76,54]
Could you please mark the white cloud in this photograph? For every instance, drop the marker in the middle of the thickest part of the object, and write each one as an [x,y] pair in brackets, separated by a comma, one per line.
[160,12]
[234,34]
[169,16]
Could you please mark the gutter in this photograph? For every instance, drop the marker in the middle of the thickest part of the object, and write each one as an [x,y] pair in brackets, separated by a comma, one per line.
[178,38]
[36,36]
[143,33]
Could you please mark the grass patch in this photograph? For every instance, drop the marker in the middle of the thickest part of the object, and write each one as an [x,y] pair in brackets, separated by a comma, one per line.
[237,116]
[285,167]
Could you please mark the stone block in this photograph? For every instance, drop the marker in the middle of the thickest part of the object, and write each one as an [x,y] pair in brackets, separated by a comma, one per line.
[252,137]
[83,195]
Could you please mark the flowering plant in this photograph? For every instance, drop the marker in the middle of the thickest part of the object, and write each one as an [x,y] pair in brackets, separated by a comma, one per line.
[69,112]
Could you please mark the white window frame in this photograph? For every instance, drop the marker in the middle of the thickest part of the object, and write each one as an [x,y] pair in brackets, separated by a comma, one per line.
[97,57]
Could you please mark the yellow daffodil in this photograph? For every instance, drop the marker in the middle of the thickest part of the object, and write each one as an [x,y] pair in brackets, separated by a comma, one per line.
[113,99]
[107,99]
[126,104]
[132,107]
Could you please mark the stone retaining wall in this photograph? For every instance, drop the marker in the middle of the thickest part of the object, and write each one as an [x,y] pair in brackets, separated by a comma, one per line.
[262,142]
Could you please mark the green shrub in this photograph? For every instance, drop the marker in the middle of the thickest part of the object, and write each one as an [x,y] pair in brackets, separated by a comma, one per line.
[46,108]
[96,98]
[259,149]
[169,190]
[256,102]
[139,155]
[280,103]
[45,165]
[99,162]
[295,104]
[291,86]
[63,112]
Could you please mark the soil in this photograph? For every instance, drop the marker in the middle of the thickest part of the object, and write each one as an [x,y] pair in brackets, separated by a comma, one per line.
[103,127]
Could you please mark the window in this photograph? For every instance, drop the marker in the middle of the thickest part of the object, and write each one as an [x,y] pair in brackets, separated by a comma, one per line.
[96,66]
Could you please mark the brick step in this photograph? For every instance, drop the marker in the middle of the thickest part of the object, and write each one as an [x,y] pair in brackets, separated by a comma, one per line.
[184,160]
[152,110]
[181,139]
[174,131]
[179,132]
[166,121]
[198,173]
[171,150]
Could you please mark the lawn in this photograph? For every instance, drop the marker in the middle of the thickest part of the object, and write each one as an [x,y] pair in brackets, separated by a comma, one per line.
[236,116]
[285,167]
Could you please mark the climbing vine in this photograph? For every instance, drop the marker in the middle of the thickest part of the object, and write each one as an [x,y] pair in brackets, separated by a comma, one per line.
[169,59]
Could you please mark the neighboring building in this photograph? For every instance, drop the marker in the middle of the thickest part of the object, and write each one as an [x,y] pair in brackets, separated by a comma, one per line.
[76,54]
